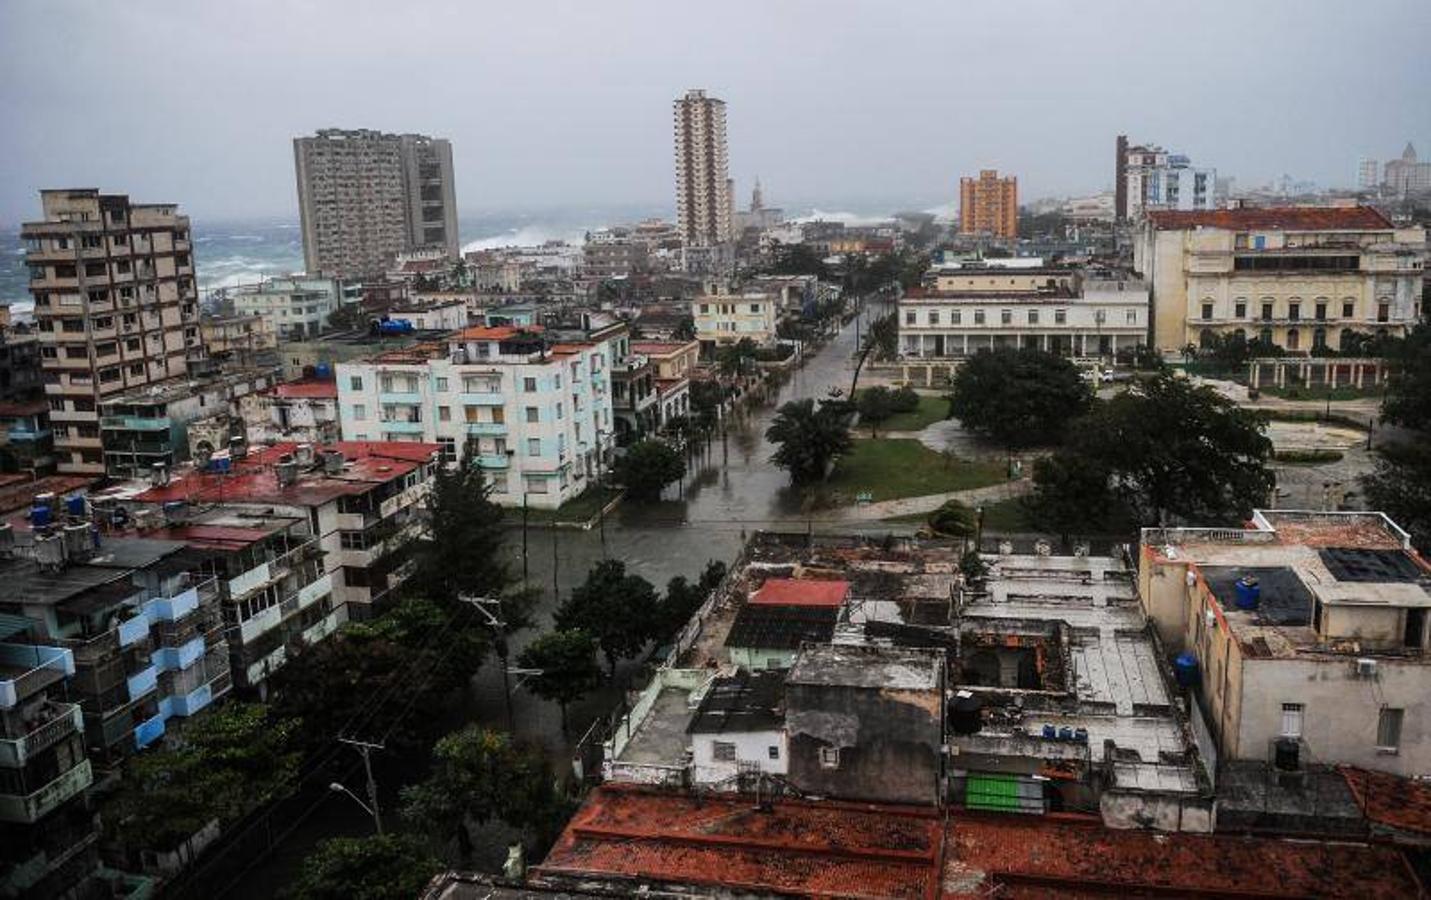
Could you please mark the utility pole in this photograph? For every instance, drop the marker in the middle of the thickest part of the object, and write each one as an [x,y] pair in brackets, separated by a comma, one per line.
[498,627]
[524,535]
[366,749]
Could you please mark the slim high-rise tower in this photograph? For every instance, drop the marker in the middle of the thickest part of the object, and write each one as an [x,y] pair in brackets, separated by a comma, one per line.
[989,205]
[703,201]
[116,305]
[365,196]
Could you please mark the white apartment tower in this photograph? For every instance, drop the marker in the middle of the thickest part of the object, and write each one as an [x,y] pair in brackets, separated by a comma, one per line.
[365,196]
[703,186]
[116,307]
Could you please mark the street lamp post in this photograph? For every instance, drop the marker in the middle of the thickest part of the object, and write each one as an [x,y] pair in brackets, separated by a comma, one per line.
[337,788]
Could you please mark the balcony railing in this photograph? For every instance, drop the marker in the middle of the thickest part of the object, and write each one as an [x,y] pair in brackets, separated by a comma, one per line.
[30,808]
[66,719]
[37,666]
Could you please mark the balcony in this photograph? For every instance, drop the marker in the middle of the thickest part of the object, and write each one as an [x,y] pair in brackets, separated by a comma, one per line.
[28,668]
[132,631]
[142,682]
[493,461]
[149,731]
[66,719]
[134,423]
[323,627]
[24,434]
[401,426]
[315,590]
[201,696]
[256,625]
[399,396]
[174,659]
[30,808]
[487,428]
[483,398]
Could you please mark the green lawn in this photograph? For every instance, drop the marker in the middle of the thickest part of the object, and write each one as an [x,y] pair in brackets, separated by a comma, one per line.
[890,469]
[1321,392]
[578,509]
[932,408]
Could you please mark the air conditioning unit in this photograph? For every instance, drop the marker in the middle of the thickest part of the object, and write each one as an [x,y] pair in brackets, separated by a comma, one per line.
[1366,668]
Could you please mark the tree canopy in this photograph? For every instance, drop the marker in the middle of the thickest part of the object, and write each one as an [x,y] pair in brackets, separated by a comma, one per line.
[648,466]
[387,867]
[1171,450]
[875,405]
[809,437]
[481,775]
[1408,391]
[953,519]
[1401,487]
[566,661]
[1018,397]
[615,608]
[460,554]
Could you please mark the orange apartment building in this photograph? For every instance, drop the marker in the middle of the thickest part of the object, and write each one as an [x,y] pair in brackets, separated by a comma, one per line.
[989,205]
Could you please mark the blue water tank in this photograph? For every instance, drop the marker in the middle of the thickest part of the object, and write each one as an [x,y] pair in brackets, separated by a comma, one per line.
[1247,591]
[323,371]
[1185,669]
[1050,732]
[39,516]
[220,464]
[1065,733]
[1080,735]
[74,505]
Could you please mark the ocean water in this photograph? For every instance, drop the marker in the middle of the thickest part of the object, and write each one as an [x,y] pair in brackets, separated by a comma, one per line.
[237,252]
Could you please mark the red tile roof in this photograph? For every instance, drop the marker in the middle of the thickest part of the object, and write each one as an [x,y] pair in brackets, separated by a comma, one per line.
[1396,803]
[226,538]
[307,387]
[809,849]
[253,479]
[1284,218]
[801,592]
[1055,857]
[18,493]
[659,348]
[496,332]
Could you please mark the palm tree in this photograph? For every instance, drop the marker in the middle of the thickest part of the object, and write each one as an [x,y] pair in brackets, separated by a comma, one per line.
[810,437]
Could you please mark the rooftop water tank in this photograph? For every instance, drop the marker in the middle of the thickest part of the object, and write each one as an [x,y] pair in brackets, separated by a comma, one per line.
[964,716]
[323,371]
[39,516]
[74,505]
[1247,591]
[1185,669]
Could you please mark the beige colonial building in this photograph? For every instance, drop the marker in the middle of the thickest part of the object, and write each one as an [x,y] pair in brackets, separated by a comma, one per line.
[1300,277]
[728,318]
[1309,635]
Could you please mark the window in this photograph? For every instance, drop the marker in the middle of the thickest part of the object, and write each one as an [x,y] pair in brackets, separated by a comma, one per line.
[705,309]
[1207,310]
[355,383]
[829,757]
[909,316]
[352,540]
[773,751]
[559,415]
[755,307]
[1348,310]
[360,412]
[1321,312]
[441,383]
[1060,316]
[1033,317]
[934,317]
[1294,339]
[534,446]
[1239,309]
[723,751]
[1006,316]
[533,415]
[978,317]
[499,482]
[1266,312]
[1383,312]
[444,414]
[1292,714]
[1294,311]
[535,485]
[529,385]
[556,381]
[1388,728]
[955,317]
[1131,317]
[449,449]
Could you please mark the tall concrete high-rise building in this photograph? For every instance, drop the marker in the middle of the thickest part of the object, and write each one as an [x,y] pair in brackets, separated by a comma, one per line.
[703,202]
[1368,174]
[989,205]
[365,196]
[116,307]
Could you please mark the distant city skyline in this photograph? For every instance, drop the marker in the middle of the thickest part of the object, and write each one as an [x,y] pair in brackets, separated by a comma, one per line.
[862,107]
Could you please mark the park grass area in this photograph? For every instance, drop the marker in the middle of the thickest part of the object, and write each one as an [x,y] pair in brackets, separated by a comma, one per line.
[577,511]
[890,469]
[1321,392]
[932,408]
[1005,516]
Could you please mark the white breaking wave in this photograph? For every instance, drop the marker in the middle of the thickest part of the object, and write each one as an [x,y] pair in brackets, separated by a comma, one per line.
[526,236]
[848,219]
[945,212]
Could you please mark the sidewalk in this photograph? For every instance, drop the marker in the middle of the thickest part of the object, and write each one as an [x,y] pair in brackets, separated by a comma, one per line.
[906,506]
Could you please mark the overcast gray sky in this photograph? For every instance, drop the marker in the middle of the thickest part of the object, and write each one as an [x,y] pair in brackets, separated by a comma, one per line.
[843,105]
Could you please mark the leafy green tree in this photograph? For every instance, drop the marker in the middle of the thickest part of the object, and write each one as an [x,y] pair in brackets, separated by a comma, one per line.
[875,406]
[685,329]
[386,867]
[461,550]
[712,575]
[732,359]
[1073,495]
[480,775]
[221,765]
[1018,397]
[1401,487]
[809,437]
[617,609]
[904,399]
[1173,450]
[566,661]
[972,565]
[1408,391]
[798,259]
[648,466]
[953,519]
[349,317]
